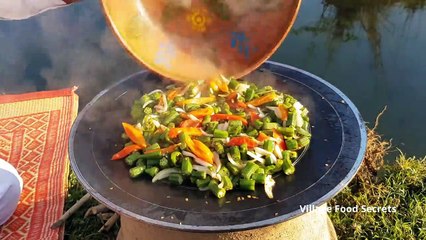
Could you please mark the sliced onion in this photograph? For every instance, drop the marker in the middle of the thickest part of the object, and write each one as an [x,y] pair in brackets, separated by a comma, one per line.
[241,88]
[233,162]
[261,114]
[196,159]
[226,80]
[164,173]
[192,117]
[223,126]
[251,106]
[139,126]
[178,109]
[165,107]
[262,151]
[277,151]
[269,184]
[297,105]
[155,91]
[256,157]
[198,95]
[147,103]
[206,134]
[276,111]
[217,161]
[156,123]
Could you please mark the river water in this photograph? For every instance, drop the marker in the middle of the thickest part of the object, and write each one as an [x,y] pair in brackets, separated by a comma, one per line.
[374,51]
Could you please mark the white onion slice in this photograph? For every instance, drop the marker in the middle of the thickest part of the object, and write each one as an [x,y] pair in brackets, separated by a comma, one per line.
[251,106]
[206,134]
[261,114]
[217,161]
[165,107]
[196,159]
[241,88]
[192,117]
[178,109]
[276,111]
[155,91]
[262,151]
[297,105]
[164,173]
[147,103]
[233,162]
[256,157]
[226,80]
[269,184]
[277,151]
[156,123]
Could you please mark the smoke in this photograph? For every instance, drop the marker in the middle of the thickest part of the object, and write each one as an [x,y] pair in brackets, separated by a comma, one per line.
[61,48]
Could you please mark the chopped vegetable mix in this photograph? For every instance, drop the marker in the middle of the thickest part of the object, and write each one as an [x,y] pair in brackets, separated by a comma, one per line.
[219,135]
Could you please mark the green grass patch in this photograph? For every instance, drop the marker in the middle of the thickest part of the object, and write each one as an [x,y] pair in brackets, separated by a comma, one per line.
[401,185]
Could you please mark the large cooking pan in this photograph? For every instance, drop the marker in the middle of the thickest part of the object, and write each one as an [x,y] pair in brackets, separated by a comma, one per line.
[333,158]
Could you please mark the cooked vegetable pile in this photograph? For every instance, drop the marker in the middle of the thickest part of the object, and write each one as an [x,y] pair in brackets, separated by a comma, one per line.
[218,135]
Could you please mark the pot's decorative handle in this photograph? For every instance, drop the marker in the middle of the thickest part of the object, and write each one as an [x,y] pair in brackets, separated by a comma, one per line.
[22,9]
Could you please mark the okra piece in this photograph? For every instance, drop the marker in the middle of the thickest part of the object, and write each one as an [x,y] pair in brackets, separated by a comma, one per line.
[153,146]
[243,151]
[304,141]
[288,132]
[175,179]
[220,133]
[270,169]
[186,166]
[202,183]
[253,133]
[141,162]
[249,94]
[175,157]
[224,171]
[303,132]
[152,171]
[191,106]
[268,145]
[291,120]
[152,155]
[235,127]
[152,162]
[291,144]
[249,169]
[277,167]
[199,174]
[182,140]
[270,125]
[216,190]
[247,184]
[235,153]
[259,178]
[227,183]
[260,170]
[218,147]
[164,163]
[258,124]
[137,171]
[266,120]
[172,116]
[233,169]
[268,160]
[205,139]
[211,126]
[287,167]
[293,154]
[206,120]
[132,158]
[233,83]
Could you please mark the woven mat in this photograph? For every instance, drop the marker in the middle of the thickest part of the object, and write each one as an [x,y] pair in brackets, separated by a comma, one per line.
[34,131]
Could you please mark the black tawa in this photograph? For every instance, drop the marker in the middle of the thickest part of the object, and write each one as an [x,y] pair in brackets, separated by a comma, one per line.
[335,154]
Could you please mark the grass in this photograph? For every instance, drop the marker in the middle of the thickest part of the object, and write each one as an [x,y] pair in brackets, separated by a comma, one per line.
[401,185]
[77,227]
